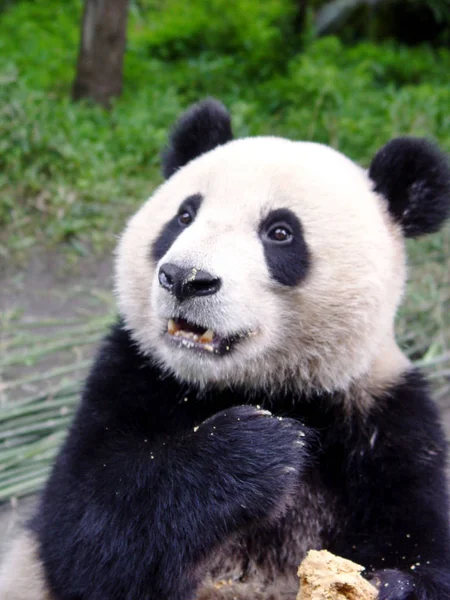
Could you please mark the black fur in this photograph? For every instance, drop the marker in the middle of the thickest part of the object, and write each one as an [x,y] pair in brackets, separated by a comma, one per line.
[288,262]
[202,127]
[154,476]
[174,227]
[414,176]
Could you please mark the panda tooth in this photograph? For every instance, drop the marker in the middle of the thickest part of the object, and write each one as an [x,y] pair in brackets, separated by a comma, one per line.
[171,327]
[207,336]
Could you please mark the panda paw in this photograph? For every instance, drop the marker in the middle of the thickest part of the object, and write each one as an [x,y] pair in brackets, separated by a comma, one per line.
[427,584]
[262,453]
[394,585]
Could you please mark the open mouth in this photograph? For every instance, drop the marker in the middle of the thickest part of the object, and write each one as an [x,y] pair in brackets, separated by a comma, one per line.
[189,335]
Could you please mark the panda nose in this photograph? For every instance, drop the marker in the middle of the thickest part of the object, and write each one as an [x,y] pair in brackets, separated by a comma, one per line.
[187,283]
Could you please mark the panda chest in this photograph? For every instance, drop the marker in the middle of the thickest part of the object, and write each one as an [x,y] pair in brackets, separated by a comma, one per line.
[273,549]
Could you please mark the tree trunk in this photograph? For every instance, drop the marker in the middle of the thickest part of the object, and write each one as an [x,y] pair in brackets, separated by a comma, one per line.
[300,15]
[102,47]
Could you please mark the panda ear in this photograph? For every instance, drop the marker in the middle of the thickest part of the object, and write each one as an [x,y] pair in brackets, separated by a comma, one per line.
[414,177]
[201,128]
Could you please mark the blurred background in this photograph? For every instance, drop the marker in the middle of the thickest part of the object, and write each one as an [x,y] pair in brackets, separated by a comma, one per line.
[88,91]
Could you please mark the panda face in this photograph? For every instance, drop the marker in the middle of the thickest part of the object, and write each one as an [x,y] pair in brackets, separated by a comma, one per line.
[263,262]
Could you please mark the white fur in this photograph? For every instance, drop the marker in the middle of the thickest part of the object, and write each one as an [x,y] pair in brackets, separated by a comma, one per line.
[22,574]
[327,333]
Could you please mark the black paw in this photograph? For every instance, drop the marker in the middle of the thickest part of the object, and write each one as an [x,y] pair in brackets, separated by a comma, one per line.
[261,456]
[394,585]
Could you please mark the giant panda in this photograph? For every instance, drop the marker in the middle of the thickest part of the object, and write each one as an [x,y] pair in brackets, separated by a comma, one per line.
[251,403]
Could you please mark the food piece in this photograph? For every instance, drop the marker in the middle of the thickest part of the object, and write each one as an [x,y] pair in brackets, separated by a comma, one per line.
[324,576]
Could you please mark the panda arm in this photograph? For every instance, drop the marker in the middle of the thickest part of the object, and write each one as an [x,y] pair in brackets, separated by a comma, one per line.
[394,496]
[138,498]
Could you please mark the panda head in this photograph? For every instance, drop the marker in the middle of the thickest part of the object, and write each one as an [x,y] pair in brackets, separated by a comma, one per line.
[264,262]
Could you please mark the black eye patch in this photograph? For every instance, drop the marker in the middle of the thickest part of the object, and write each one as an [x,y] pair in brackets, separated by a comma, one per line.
[285,249]
[176,225]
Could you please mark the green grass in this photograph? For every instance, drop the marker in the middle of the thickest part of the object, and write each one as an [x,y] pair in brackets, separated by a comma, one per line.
[71,173]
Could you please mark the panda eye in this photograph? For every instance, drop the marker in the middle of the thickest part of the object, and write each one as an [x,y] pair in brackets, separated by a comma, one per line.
[280,234]
[185,218]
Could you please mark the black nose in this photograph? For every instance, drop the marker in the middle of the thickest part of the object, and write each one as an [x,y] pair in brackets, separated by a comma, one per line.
[187,283]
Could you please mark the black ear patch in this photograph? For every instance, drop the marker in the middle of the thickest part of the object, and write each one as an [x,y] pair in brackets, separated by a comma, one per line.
[414,176]
[201,128]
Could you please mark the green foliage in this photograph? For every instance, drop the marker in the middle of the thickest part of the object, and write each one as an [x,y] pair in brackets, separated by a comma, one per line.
[439,8]
[40,41]
[410,21]
[72,172]
[255,32]
[357,98]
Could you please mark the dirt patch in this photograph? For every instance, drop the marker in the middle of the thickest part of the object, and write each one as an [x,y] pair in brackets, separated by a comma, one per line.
[50,287]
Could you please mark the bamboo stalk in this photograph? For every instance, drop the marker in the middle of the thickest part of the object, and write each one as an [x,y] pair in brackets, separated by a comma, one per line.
[26,323]
[12,443]
[21,424]
[27,452]
[24,488]
[33,426]
[38,427]
[51,441]
[21,339]
[36,354]
[22,470]
[40,323]
[82,364]
[43,454]
[28,409]
[66,388]
[23,476]
[47,455]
